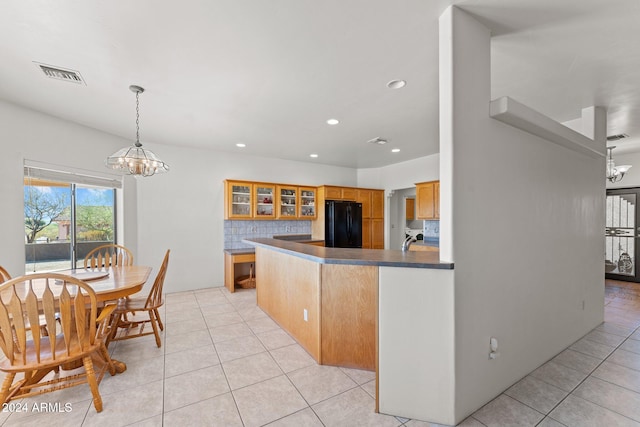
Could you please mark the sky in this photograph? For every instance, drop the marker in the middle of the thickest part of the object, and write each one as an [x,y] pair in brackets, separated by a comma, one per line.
[84,195]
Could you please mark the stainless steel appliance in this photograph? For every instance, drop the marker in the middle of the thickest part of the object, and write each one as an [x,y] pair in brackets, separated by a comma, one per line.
[343,224]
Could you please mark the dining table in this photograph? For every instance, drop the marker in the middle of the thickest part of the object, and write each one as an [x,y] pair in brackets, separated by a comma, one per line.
[113,283]
[109,284]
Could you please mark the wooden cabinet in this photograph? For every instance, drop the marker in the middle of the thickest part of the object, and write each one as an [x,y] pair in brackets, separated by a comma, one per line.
[366,233]
[436,199]
[364,197]
[260,200]
[372,218]
[287,201]
[308,208]
[349,193]
[377,204]
[428,200]
[332,193]
[263,201]
[377,233]
[238,196]
[409,208]
[340,193]
[231,260]
[372,212]
[249,200]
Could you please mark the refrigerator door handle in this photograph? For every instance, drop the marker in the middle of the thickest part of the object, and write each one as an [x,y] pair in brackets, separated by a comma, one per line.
[349,222]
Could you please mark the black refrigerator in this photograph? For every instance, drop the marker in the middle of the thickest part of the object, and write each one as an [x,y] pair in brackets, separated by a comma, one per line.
[342,224]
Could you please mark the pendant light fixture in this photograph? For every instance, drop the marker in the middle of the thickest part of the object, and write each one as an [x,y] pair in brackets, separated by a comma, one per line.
[615,173]
[135,160]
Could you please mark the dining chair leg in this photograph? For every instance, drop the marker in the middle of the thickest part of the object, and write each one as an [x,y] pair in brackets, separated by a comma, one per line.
[93,383]
[114,328]
[154,319]
[155,310]
[107,359]
[6,386]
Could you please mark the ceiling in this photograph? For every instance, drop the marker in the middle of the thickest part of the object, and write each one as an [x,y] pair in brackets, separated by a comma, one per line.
[270,73]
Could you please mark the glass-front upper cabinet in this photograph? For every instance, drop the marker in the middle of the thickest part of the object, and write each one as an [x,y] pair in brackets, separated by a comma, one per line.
[307,202]
[288,201]
[264,201]
[238,200]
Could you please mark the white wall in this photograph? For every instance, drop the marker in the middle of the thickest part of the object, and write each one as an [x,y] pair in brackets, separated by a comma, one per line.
[522,219]
[416,345]
[401,175]
[182,210]
[30,135]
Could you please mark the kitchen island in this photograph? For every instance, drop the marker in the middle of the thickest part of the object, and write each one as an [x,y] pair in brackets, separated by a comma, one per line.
[382,310]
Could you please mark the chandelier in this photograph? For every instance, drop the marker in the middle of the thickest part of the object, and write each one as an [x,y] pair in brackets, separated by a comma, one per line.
[135,160]
[615,173]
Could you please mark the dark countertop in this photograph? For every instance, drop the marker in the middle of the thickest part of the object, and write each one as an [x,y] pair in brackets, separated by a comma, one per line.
[378,257]
[240,251]
[300,238]
[428,242]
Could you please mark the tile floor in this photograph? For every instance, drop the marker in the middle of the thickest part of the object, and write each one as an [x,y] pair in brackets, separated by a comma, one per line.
[225,363]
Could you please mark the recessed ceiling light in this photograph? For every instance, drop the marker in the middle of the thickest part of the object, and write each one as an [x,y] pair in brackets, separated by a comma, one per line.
[395,150]
[314,155]
[241,145]
[396,84]
[333,122]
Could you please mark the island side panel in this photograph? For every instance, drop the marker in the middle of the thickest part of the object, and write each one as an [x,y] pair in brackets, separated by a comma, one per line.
[349,302]
[286,286]
[416,371]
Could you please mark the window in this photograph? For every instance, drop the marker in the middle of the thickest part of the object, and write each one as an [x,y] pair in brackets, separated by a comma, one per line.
[65,216]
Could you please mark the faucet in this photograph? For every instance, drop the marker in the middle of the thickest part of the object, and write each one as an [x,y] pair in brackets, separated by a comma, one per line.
[407,242]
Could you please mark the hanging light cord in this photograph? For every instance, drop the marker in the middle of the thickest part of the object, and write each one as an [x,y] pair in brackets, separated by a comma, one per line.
[138,144]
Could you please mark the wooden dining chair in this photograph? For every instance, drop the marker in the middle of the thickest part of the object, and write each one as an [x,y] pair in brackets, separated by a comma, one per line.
[129,328]
[4,275]
[107,256]
[79,336]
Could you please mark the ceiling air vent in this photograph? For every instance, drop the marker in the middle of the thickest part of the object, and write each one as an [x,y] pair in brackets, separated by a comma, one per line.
[61,74]
[378,140]
[617,137]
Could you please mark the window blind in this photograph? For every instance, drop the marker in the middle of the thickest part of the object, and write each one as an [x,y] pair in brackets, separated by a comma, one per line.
[49,176]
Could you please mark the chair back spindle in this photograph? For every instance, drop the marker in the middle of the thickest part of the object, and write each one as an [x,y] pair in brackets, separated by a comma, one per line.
[110,255]
[23,299]
[4,275]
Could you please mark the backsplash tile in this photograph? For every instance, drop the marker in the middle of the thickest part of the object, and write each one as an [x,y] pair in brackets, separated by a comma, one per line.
[236,231]
[431,229]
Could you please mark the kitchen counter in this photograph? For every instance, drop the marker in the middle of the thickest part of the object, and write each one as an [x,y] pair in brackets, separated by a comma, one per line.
[241,251]
[428,242]
[355,308]
[299,238]
[353,256]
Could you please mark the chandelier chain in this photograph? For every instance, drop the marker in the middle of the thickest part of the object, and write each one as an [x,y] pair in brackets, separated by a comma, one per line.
[138,119]
[136,160]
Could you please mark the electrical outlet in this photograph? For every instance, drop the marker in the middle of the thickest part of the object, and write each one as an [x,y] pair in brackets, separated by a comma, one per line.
[493,346]
[305,315]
